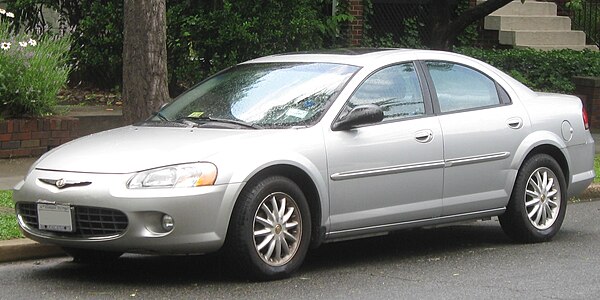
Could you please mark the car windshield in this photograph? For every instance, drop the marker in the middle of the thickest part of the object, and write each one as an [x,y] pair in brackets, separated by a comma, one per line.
[262,95]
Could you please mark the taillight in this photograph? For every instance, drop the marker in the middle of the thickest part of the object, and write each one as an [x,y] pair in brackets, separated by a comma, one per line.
[586,122]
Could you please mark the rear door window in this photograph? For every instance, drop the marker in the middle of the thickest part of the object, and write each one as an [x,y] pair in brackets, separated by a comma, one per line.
[459,87]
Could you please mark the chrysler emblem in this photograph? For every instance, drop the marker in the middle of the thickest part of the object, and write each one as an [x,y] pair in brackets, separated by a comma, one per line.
[60,183]
[63,183]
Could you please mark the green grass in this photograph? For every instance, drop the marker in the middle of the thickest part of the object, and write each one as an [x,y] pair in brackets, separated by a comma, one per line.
[8,227]
[597,168]
[6,199]
[8,221]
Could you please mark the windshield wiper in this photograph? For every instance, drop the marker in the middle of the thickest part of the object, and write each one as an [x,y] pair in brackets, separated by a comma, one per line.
[161,116]
[227,121]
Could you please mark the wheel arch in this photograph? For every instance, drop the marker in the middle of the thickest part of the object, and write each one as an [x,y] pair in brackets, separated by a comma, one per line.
[555,153]
[308,187]
[543,141]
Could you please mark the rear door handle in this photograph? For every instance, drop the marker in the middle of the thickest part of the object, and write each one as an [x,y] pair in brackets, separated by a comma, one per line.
[424,136]
[515,123]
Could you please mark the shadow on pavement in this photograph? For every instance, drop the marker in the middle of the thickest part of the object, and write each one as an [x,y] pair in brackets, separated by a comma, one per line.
[184,270]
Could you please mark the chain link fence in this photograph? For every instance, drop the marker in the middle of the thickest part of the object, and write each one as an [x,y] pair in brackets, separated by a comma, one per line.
[405,23]
[398,23]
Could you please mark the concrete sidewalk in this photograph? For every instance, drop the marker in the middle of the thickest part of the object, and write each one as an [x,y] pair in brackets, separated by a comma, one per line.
[13,170]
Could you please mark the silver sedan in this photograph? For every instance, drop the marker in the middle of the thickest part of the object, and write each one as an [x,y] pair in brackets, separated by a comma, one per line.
[282,153]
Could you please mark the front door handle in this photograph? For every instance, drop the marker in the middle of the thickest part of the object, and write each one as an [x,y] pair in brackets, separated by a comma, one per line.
[515,123]
[424,136]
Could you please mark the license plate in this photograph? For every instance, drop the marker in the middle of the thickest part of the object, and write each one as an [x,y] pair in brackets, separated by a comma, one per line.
[55,217]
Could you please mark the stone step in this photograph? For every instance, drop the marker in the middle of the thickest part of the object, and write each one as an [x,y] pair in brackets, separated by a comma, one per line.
[529,8]
[527,23]
[541,38]
[558,47]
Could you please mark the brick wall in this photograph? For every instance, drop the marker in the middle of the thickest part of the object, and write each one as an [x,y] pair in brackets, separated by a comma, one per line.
[588,89]
[356,26]
[33,137]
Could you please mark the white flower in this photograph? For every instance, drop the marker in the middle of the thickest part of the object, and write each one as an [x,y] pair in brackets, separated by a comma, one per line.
[10,15]
[23,44]
[32,42]
[2,11]
[5,45]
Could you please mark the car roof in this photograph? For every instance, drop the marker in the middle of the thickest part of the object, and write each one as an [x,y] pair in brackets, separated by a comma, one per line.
[362,57]
[349,56]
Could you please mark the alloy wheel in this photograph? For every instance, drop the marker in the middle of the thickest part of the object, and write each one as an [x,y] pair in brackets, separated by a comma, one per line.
[542,198]
[277,229]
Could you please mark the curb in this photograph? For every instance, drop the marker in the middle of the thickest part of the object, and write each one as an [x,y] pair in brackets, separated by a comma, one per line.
[24,249]
[592,192]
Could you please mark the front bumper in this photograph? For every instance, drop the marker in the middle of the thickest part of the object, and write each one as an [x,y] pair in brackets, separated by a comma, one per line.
[201,215]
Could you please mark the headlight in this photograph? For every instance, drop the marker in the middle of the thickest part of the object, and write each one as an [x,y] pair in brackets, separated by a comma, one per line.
[187,175]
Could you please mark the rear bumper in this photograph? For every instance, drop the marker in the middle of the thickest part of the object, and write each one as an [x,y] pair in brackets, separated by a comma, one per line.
[581,167]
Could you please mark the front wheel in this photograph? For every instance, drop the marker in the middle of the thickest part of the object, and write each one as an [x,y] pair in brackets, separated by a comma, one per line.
[269,232]
[538,202]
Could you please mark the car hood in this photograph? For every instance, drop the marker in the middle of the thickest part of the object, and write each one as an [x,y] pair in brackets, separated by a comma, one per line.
[134,148]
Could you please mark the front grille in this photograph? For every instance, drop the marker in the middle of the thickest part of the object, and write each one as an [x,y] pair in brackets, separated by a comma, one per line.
[94,221]
[89,221]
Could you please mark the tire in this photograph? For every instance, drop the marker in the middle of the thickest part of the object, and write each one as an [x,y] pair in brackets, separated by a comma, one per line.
[93,257]
[538,202]
[262,245]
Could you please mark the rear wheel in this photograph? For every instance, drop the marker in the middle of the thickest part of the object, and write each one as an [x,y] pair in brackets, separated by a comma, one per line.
[538,203]
[269,231]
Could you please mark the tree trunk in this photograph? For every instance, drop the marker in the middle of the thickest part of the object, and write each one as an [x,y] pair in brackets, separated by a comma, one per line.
[145,86]
[441,18]
[445,30]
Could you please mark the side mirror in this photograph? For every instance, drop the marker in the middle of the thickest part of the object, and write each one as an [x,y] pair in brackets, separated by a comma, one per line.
[360,115]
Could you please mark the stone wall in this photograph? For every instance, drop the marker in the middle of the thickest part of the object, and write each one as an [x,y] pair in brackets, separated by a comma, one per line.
[33,137]
[588,89]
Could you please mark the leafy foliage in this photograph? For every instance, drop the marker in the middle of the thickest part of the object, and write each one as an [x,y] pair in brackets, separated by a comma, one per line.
[96,28]
[202,36]
[32,71]
[549,71]
[412,33]
[203,40]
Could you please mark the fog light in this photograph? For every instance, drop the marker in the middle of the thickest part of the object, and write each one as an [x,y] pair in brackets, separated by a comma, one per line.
[167,223]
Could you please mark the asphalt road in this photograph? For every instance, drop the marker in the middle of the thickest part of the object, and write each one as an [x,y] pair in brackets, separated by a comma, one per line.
[472,261]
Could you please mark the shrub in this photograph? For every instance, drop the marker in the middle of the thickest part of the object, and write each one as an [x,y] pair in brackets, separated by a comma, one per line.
[95,26]
[31,71]
[203,39]
[548,71]
[98,43]
[202,36]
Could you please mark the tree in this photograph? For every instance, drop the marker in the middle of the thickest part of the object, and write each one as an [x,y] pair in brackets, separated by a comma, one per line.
[144,58]
[446,27]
